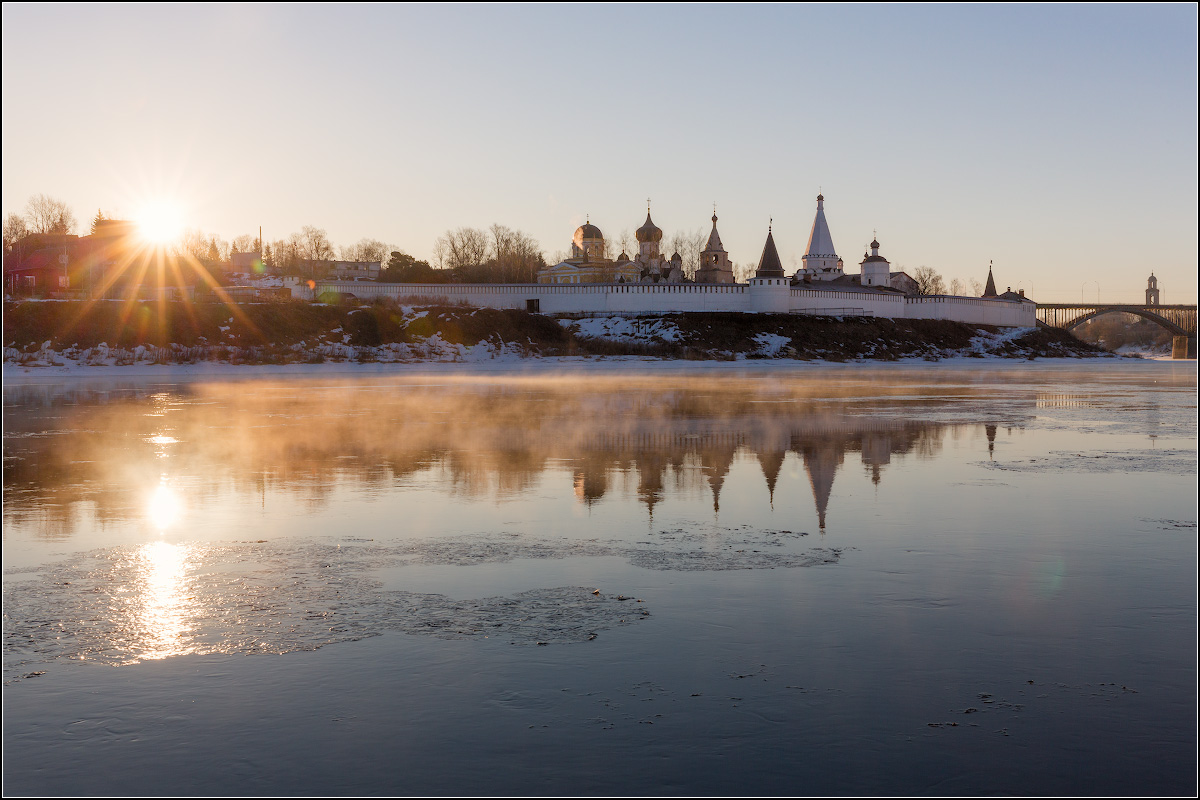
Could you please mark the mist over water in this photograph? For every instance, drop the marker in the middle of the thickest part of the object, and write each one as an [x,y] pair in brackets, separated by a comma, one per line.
[913,574]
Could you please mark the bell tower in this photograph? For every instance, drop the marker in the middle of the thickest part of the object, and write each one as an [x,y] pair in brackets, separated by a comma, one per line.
[1152,290]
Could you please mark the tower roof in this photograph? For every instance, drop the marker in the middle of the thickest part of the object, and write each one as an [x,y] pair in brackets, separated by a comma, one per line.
[820,243]
[649,232]
[714,239]
[990,289]
[769,266]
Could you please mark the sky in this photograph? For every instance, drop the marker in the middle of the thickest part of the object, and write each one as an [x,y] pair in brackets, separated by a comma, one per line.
[1056,141]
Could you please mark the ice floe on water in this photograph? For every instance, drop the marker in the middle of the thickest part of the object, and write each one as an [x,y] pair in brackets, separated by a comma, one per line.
[1175,462]
[127,604]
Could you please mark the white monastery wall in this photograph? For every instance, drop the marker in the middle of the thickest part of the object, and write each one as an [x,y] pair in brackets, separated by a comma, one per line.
[762,295]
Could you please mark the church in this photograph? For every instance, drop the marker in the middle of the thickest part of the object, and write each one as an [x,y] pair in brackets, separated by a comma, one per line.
[589,262]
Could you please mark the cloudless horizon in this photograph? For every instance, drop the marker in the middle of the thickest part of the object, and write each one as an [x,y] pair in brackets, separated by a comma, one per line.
[1058,142]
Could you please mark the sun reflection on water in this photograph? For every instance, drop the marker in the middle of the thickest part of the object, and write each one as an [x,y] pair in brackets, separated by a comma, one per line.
[164,508]
[164,615]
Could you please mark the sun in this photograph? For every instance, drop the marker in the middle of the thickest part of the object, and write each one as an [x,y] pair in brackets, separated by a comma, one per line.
[160,222]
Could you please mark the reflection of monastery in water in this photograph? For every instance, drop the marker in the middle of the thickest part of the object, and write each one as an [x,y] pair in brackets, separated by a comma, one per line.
[821,445]
[646,442]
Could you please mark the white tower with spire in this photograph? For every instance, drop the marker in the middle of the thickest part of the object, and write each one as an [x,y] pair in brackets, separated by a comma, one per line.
[821,262]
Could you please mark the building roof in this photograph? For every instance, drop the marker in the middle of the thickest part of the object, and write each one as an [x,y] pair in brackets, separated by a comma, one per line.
[990,289]
[849,283]
[769,266]
[649,232]
[820,243]
[714,239]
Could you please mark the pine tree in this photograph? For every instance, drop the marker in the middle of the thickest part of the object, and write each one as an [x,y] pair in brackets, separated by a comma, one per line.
[97,220]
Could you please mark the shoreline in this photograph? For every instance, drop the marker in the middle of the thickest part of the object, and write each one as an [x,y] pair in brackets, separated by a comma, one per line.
[537,366]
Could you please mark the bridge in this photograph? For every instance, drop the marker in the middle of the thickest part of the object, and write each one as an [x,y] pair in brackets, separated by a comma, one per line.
[1180,320]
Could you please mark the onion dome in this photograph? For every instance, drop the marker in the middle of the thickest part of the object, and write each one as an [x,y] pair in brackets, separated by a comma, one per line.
[874,244]
[649,232]
[677,257]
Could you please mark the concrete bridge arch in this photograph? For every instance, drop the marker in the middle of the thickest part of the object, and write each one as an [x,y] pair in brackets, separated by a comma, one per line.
[1175,330]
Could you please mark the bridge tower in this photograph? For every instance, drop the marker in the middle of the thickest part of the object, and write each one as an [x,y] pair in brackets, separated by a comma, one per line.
[1152,290]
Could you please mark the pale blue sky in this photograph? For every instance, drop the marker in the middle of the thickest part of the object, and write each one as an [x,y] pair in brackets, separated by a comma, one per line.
[1058,141]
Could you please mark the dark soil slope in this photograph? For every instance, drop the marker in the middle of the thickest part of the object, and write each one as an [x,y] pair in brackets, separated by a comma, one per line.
[274,332]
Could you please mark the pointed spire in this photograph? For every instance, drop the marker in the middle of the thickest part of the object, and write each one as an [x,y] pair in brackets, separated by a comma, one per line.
[821,463]
[769,266]
[990,289]
[820,242]
[714,239]
[771,463]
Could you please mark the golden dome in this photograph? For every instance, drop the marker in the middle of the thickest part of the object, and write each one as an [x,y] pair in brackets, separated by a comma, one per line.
[649,232]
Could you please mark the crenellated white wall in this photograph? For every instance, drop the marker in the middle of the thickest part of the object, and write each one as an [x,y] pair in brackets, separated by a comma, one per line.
[761,295]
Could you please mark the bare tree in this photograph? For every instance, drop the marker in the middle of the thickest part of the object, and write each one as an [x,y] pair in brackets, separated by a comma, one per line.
[15,229]
[314,244]
[441,253]
[283,254]
[464,247]
[976,287]
[957,287]
[929,281]
[194,243]
[688,245]
[368,250]
[744,272]
[44,214]
[244,244]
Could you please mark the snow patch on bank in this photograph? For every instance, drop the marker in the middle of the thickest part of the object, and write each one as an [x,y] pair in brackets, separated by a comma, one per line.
[639,330]
[771,344]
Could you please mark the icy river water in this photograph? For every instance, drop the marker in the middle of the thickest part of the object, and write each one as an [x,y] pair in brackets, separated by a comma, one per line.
[945,579]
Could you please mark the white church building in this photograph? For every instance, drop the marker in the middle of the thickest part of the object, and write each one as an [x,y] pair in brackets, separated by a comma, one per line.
[589,282]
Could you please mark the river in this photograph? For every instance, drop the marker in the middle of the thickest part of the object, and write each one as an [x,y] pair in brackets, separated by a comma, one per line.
[953,578]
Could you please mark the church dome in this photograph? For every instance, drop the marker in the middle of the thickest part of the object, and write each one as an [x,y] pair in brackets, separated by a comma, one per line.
[587,232]
[649,232]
